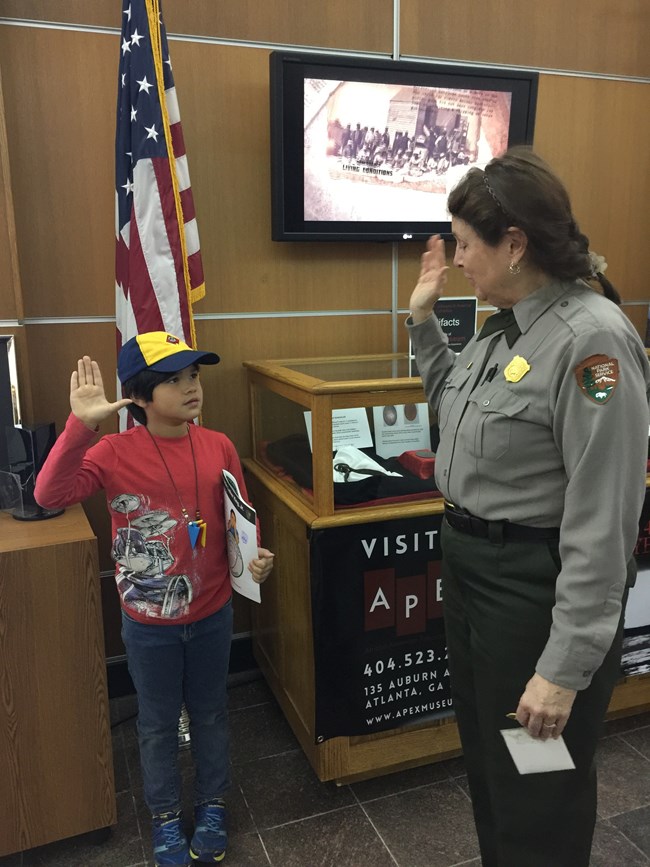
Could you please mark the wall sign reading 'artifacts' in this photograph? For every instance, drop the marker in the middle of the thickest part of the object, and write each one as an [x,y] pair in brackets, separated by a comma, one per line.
[379,645]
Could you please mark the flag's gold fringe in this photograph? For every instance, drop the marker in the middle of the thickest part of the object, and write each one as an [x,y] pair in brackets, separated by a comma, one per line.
[197,293]
[153,14]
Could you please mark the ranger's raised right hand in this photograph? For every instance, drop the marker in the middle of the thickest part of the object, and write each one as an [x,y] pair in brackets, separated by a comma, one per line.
[432,280]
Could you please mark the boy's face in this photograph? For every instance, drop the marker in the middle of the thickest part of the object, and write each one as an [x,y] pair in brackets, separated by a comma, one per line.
[175,401]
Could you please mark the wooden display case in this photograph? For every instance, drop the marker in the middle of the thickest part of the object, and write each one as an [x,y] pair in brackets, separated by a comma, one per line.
[282,391]
[291,517]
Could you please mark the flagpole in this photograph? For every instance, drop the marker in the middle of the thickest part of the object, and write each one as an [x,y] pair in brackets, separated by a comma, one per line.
[153,14]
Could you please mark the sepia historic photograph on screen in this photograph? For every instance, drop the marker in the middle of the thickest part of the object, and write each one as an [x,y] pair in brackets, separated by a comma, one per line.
[392,151]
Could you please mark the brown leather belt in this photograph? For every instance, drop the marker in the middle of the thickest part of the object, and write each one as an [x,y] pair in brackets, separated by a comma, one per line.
[496,531]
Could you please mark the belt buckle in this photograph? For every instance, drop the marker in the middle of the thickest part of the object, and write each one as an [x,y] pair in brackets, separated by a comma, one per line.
[462,522]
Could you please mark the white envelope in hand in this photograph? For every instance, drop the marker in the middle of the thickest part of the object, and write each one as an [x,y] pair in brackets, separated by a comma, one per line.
[534,756]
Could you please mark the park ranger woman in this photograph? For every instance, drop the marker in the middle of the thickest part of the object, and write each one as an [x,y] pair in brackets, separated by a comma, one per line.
[543,444]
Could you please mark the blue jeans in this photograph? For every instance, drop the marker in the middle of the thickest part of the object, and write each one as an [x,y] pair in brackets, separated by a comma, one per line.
[170,665]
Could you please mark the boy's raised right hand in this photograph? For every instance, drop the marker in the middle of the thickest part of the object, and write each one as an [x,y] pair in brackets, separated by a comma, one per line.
[87,397]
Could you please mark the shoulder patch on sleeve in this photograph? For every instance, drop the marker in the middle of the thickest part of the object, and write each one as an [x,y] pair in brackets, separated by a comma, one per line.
[597,377]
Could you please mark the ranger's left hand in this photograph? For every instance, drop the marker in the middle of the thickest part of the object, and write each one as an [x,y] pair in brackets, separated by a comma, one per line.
[545,707]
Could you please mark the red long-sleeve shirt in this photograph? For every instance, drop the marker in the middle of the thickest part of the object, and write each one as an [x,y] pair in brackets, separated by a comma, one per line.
[159,576]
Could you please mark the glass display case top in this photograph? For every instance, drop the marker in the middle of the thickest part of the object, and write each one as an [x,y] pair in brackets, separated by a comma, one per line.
[359,368]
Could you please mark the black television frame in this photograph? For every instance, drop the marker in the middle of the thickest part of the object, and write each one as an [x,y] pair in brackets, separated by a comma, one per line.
[288,70]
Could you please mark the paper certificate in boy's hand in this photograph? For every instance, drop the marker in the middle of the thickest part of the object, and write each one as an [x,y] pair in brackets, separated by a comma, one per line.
[241,538]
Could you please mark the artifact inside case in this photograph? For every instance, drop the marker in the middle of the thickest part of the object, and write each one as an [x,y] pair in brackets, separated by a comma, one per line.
[360,483]
[383,449]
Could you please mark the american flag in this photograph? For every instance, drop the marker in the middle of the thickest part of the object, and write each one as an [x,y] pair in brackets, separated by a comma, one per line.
[158,269]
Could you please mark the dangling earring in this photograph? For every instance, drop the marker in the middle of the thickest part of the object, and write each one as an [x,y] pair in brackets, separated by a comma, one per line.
[514,268]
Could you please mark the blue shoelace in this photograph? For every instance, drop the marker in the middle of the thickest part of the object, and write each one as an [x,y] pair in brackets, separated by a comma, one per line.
[171,831]
[212,819]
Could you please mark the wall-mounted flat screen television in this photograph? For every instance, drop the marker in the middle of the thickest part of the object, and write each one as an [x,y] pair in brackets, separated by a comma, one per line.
[368,150]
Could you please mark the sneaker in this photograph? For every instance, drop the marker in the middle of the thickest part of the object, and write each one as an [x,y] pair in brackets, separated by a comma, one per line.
[210,839]
[170,847]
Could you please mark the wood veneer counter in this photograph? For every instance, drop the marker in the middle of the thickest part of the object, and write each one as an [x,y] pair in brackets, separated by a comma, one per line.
[71,526]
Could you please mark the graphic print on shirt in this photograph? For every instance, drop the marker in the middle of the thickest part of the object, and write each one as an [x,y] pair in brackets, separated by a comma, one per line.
[142,551]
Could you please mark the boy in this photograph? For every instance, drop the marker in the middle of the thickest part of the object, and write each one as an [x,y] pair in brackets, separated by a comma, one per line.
[164,490]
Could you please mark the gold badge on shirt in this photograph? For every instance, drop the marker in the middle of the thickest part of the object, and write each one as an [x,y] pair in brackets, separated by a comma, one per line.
[517,369]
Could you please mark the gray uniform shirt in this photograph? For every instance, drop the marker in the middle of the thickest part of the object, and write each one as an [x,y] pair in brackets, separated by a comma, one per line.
[565,445]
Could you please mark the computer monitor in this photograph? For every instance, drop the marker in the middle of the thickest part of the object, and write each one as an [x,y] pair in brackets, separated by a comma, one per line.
[9,395]
[27,448]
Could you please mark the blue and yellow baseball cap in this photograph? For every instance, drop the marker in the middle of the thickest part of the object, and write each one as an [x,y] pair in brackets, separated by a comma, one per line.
[157,350]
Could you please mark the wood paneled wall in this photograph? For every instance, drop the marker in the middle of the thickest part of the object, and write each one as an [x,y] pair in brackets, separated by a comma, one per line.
[10,294]
[56,171]
[606,36]
[337,24]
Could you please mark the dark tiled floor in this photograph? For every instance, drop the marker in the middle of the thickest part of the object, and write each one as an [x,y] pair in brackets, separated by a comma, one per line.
[280,814]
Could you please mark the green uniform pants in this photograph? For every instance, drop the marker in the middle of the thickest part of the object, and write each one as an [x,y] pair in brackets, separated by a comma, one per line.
[498,602]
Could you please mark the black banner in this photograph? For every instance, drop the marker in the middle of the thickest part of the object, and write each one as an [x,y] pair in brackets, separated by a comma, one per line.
[636,641]
[379,644]
[457,318]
